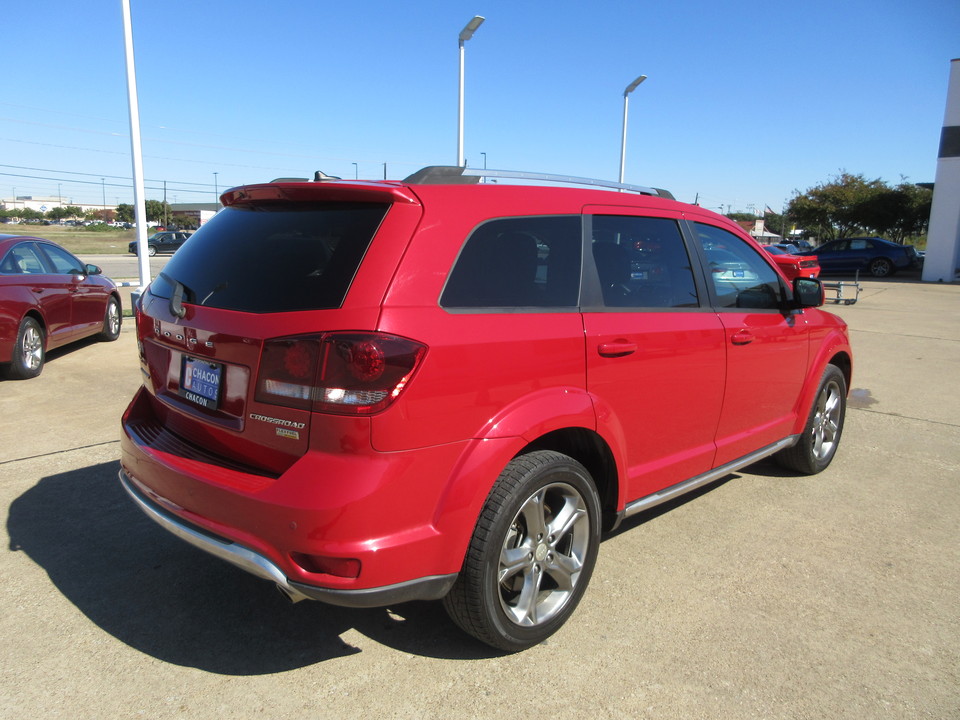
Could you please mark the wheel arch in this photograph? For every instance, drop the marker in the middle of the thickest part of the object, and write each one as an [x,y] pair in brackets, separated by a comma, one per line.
[836,352]
[474,476]
[592,451]
[38,316]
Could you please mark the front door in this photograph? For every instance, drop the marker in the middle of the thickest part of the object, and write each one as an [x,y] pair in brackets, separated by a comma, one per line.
[766,348]
[655,354]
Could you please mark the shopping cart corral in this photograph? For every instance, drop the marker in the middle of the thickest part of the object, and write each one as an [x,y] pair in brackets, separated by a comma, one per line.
[845,291]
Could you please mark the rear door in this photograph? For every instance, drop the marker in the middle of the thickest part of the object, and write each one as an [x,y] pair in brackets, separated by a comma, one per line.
[766,348]
[655,350]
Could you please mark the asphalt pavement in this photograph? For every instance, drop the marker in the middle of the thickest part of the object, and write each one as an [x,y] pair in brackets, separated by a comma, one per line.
[765,596]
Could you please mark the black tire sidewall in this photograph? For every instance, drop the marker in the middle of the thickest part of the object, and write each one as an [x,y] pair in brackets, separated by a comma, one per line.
[831,374]
[881,263]
[551,468]
[106,334]
[18,370]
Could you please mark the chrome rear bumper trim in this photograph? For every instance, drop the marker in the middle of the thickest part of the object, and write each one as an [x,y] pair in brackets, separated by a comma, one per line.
[433,587]
[235,554]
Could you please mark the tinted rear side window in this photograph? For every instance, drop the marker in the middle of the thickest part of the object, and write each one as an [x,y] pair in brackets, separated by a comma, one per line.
[642,262]
[274,258]
[518,262]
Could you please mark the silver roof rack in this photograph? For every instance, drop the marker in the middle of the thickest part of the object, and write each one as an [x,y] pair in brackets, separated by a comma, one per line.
[447,175]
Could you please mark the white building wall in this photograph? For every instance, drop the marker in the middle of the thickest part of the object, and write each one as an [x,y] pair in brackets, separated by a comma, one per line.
[943,238]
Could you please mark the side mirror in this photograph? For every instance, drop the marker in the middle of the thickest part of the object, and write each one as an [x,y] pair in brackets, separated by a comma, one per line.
[807,292]
[93,270]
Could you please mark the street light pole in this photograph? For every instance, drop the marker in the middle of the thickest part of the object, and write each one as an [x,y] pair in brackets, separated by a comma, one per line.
[469,29]
[623,143]
[216,187]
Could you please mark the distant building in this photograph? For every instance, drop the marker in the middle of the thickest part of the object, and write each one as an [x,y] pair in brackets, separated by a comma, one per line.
[193,214]
[46,204]
[758,231]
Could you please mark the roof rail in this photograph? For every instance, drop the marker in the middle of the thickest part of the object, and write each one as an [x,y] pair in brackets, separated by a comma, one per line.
[453,175]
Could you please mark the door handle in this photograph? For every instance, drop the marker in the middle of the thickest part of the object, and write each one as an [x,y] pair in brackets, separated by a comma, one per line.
[742,337]
[617,349]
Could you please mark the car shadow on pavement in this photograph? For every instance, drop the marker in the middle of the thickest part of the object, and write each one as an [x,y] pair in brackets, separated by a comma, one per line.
[51,356]
[171,601]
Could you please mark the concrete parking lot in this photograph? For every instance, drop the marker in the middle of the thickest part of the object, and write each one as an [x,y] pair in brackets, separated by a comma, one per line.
[766,596]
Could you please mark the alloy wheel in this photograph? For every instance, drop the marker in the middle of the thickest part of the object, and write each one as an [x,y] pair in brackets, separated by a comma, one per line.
[31,348]
[542,555]
[113,318]
[826,421]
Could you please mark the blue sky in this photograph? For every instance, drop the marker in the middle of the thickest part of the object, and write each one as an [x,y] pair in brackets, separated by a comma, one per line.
[745,102]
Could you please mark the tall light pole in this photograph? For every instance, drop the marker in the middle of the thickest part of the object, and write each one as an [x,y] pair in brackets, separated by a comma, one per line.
[136,154]
[623,143]
[356,171]
[484,160]
[469,29]
[216,187]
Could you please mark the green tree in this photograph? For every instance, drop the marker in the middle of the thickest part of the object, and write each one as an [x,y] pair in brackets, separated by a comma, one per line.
[157,210]
[903,211]
[850,204]
[125,212]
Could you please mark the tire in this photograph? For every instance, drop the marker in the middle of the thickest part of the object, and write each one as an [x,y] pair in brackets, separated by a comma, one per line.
[151,250]
[881,267]
[531,555]
[821,435]
[29,352]
[112,320]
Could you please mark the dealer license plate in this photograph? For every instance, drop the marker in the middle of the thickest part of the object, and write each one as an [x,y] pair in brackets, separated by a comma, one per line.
[200,382]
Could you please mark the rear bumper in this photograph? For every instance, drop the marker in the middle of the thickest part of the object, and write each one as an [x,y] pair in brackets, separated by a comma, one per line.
[347,525]
[427,588]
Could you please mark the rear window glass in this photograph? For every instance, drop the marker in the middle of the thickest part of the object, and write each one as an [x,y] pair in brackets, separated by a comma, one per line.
[273,258]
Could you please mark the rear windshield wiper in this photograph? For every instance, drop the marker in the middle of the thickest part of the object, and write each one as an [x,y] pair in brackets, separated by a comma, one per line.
[176,299]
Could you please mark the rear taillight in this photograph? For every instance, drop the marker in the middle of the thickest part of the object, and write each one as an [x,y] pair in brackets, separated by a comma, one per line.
[808,263]
[347,373]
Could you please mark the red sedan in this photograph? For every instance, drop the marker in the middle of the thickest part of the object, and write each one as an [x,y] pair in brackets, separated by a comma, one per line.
[48,298]
[794,266]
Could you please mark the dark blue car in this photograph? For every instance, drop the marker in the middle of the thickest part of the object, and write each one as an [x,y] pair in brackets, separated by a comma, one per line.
[877,256]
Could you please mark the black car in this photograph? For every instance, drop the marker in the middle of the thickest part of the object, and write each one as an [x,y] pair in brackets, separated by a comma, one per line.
[161,242]
[875,255]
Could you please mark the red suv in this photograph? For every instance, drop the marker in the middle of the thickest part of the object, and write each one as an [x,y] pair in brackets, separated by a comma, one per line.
[374,392]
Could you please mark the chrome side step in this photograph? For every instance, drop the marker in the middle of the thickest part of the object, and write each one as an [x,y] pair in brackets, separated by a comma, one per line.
[662,496]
